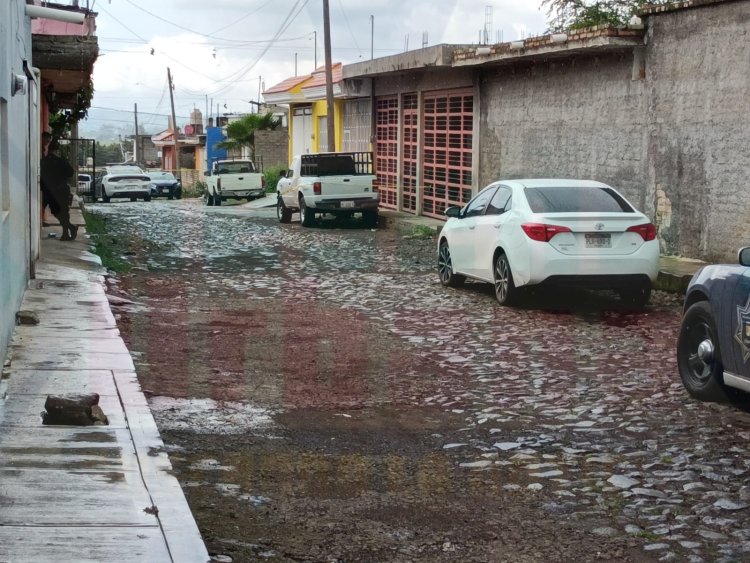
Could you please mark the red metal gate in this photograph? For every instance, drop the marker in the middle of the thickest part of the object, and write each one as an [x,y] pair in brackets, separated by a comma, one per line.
[409,157]
[448,137]
[386,149]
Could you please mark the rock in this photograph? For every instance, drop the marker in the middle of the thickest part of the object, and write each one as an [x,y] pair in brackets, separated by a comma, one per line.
[476,464]
[690,544]
[649,493]
[696,486]
[27,318]
[452,446]
[605,531]
[535,487]
[656,546]
[622,481]
[600,459]
[73,410]
[546,474]
[727,504]
[633,529]
[505,446]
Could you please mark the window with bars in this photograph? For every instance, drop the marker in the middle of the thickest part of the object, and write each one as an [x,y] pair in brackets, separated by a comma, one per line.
[357,125]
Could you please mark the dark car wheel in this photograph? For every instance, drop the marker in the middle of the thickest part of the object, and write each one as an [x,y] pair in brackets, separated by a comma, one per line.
[370,218]
[445,267]
[698,355]
[133,198]
[636,297]
[306,215]
[147,197]
[178,194]
[283,213]
[505,289]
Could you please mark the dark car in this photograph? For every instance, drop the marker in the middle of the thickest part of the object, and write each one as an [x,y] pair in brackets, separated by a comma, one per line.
[713,347]
[164,184]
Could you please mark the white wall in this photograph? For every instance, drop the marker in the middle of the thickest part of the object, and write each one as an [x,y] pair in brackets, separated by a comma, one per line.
[18,173]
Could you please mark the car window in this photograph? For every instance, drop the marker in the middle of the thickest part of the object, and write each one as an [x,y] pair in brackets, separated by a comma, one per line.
[236,167]
[500,202]
[576,199]
[478,205]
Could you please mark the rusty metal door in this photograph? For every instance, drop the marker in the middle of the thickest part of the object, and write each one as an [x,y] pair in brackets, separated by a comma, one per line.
[409,147]
[448,137]
[386,149]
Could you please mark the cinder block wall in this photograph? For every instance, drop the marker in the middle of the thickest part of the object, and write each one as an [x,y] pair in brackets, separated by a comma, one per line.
[272,147]
[674,139]
[698,76]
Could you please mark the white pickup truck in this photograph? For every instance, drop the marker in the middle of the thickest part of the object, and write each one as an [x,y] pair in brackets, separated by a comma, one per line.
[336,183]
[236,179]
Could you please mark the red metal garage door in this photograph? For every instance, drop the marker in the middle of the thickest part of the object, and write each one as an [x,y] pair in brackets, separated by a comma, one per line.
[409,129]
[386,149]
[448,136]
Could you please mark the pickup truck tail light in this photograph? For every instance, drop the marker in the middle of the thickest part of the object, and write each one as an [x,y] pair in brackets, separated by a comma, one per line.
[317,188]
[647,231]
[543,232]
[263,183]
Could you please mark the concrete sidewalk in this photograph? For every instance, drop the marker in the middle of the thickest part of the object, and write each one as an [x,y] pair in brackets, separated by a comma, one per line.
[82,493]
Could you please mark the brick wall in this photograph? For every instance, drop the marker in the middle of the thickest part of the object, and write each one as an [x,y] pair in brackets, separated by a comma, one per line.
[272,147]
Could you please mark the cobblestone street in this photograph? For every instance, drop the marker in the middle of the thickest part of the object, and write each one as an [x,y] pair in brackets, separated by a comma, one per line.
[324,398]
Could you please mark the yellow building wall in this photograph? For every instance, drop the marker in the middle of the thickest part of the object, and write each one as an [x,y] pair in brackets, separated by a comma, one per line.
[320,109]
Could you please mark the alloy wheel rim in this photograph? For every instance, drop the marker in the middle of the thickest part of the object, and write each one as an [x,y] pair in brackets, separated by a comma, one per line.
[700,367]
[501,280]
[445,265]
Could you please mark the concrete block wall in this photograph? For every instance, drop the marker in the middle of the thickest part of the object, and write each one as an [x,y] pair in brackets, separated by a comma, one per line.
[698,77]
[667,123]
[575,118]
[273,147]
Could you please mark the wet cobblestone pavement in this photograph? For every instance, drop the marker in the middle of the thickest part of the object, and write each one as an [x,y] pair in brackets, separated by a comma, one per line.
[335,352]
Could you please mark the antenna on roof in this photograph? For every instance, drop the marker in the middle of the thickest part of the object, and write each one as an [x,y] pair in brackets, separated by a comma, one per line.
[488,17]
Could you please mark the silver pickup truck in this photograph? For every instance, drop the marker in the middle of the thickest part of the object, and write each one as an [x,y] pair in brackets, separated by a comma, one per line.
[235,179]
[336,183]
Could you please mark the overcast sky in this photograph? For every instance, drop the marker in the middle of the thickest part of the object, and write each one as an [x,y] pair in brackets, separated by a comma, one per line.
[225,50]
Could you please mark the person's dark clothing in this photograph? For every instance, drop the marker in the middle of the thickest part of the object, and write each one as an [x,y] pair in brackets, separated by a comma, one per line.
[54,174]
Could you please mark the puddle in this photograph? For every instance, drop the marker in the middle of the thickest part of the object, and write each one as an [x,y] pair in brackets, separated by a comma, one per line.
[206,416]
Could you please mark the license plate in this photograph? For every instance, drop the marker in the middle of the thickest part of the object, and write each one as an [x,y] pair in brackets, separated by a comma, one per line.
[598,240]
[347,204]
[165,190]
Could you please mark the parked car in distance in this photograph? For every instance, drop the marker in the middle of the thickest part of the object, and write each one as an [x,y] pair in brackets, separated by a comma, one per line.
[122,180]
[233,179]
[713,345]
[84,184]
[164,184]
[340,184]
[518,234]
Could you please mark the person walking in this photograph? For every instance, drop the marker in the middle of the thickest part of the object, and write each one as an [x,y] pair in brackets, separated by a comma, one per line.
[54,174]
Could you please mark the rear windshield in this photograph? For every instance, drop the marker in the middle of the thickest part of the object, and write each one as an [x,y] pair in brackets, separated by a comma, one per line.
[337,165]
[576,199]
[236,167]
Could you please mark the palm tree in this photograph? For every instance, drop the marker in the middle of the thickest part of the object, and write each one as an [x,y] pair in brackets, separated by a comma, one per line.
[241,133]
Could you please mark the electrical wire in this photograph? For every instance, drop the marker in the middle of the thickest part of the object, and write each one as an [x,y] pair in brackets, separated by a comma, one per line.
[346,19]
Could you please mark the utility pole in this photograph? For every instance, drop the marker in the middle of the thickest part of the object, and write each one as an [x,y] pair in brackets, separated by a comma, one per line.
[315,40]
[135,142]
[260,82]
[295,64]
[174,125]
[372,37]
[329,78]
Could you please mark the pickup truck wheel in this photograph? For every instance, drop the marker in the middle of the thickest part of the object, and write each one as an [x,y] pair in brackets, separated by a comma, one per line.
[282,212]
[306,215]
[133,198]
[217,200]
[370,218]
[207,198]
[105,198]
[147,198]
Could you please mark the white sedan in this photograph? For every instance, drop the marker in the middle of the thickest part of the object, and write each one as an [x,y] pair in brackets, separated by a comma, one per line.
[522,233]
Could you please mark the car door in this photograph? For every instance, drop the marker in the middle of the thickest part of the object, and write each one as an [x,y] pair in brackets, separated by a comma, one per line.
[734,322]
[488,229]
[464,253]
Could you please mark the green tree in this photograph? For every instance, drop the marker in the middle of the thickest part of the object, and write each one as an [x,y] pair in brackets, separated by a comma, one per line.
[241,133]
[575,14]
[107,153]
